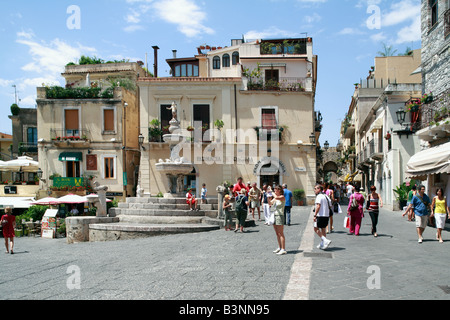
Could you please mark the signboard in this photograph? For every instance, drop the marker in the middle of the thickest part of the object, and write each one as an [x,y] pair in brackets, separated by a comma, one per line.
[48,226]
[91,162]
[68,182]
[10,189]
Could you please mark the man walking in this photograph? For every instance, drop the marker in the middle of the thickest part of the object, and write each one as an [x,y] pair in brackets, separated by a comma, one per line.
[288,206]
[321,217]
[422,209]
[255,200]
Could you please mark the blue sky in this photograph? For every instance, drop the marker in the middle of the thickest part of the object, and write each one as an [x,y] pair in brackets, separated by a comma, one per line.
[37,42]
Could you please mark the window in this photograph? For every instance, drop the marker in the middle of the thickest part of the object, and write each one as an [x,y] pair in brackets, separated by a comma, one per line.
[268,119]
[434,12]
[73,169]
[165,116]
[109,168]
[186,70]
[273,75]
[32,136]
[226,60]
[71,119]
[201,115]
[235,58]
[216,62]
[108,120]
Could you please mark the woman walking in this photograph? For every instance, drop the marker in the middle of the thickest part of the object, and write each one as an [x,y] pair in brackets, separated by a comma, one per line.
[277,206]
[439,212]
[8,222]
[356,211]
[374,203]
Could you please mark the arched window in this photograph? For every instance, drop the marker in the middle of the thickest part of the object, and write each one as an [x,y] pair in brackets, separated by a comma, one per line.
[216,62]
[226,60]
[235,58]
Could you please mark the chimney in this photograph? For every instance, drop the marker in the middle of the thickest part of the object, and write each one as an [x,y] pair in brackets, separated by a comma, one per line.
[174,54]
[155,65]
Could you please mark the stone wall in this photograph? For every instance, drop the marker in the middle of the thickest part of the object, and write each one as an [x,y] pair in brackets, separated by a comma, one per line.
[435,51]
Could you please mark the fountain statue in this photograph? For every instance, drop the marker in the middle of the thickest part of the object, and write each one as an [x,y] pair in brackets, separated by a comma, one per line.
[176,168]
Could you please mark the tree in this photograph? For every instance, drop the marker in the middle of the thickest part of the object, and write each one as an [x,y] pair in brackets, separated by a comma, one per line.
[388,51]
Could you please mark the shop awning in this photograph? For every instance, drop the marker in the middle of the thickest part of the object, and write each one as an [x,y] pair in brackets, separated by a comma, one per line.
[431,161]
[71,156]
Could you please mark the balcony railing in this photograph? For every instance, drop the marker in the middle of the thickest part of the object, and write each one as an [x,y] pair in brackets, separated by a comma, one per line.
[435,112]
[283,84]
[28,148]
[70,135]
[447,23]
[376,149]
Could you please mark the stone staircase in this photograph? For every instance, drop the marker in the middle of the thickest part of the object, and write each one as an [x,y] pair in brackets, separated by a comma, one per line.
[147,217]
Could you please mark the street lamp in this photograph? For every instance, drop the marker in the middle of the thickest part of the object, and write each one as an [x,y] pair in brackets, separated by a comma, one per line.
[39,173]
[327,145]
[141,141]
[312,138]
[401,115]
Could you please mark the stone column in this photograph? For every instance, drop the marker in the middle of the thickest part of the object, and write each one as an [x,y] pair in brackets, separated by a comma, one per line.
[220,195]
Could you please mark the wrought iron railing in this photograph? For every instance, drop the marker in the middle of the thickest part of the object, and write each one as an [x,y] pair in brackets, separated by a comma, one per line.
[70,135]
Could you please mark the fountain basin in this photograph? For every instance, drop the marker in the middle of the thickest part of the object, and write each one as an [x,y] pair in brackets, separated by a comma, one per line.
[175,168]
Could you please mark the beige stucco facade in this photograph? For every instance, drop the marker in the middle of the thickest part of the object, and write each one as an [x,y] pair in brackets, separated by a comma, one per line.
[241,110]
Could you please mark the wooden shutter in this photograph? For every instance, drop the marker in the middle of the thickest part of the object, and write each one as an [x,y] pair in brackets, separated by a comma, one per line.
[72,119]
[108,119]
[269,119]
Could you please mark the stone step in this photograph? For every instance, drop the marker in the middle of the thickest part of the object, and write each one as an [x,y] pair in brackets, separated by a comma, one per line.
[167,200]
[165,206]
[125,231]
[161,219]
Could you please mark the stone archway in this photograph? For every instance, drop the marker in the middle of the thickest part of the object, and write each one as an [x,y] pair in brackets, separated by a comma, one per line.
[270,166]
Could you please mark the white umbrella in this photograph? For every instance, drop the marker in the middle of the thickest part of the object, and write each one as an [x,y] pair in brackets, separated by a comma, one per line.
[45,202]
[71,199]
[21,164]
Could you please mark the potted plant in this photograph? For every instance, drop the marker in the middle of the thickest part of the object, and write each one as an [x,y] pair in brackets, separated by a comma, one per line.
[190,128]
[219,124]
[402,192]
[154,131]
[299,196]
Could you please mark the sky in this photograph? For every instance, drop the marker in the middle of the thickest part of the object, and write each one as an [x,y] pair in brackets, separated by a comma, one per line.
[40,37]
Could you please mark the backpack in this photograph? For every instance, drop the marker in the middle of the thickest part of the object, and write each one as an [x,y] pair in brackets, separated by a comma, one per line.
[240,204]
[354,205]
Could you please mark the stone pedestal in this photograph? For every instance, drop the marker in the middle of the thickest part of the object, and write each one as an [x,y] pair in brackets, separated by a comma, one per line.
[77,228]
[220,195]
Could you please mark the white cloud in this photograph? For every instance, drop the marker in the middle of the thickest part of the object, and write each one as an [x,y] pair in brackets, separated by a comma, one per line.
[350,31]
[185,14]
[271,32]
[403,11]
[410,33]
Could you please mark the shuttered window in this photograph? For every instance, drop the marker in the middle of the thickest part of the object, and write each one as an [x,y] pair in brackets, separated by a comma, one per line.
[108,120]
[72,119]
[269,119]
[109,168]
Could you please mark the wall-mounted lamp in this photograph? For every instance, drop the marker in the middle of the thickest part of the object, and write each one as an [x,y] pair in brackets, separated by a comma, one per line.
[39,175]
[327,146]
[312,139]
[141,141]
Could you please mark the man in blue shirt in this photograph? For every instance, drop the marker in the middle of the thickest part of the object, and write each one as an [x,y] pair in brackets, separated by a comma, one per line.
[422,208]
[288,206]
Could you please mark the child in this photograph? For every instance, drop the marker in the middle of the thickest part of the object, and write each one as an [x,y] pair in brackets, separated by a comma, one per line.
[191,200]
[204,193]
[8,222]
[226,209]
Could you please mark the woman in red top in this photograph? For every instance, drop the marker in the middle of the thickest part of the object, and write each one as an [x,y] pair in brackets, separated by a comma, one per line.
[8,222]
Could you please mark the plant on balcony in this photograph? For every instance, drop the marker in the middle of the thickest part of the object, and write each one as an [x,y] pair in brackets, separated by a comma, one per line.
[272,85]
[15,110]
[414,105]
[190,128]
[427,98]
[154,131]
[388,136]
[219,124]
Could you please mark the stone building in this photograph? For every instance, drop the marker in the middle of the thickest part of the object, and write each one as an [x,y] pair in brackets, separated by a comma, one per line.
[89,130]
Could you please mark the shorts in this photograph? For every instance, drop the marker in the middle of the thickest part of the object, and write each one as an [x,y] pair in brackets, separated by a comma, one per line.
[421,221]
[279,220]
[255,204]
[440,220]
[241,216]
[322,222]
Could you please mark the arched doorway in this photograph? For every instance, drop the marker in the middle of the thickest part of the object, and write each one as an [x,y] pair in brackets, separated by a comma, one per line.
[270,170]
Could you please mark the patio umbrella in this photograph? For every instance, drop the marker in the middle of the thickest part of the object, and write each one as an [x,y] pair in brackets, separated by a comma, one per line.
[21,164]
[45,202]
[71,199]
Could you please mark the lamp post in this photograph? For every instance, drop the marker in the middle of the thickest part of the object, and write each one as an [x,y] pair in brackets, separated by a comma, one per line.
[141,141]
[327,145]
[401,115]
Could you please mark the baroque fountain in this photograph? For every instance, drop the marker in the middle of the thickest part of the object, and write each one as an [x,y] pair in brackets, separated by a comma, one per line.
[175,168]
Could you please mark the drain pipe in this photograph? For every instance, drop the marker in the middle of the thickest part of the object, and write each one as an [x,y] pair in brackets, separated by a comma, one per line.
[155,65]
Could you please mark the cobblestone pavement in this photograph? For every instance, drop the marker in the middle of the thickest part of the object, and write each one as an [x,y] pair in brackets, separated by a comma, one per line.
[222,265]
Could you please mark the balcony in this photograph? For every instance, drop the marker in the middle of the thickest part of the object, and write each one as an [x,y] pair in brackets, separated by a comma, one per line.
[286,84]
[28,148]
[376,150]
[434,120]
[70,138]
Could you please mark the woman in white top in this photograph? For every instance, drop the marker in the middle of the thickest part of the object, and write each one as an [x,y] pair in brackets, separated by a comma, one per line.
[277,207]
